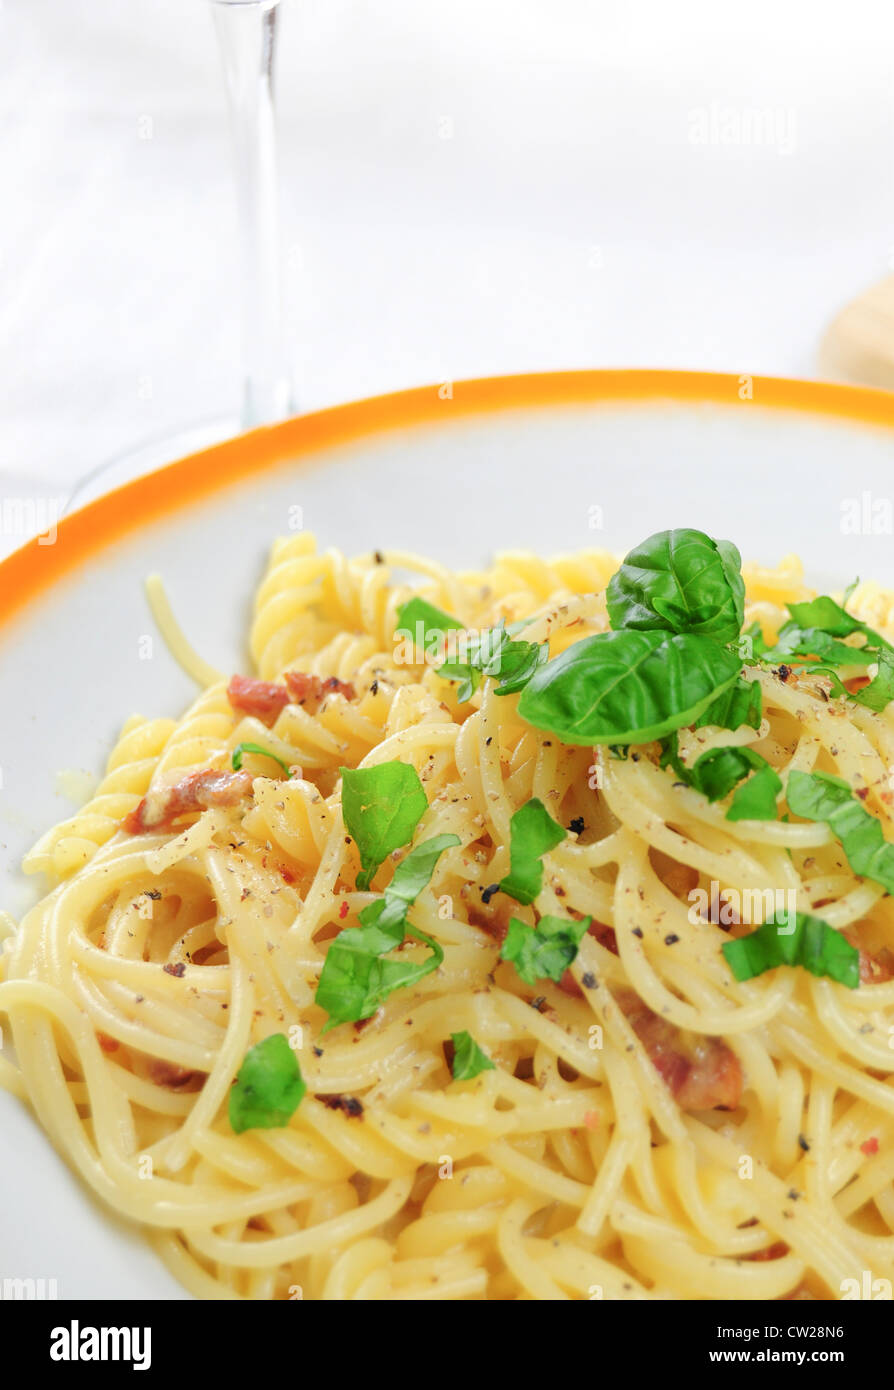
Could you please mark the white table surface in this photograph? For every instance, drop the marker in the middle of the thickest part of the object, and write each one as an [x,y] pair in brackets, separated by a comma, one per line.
[473,187]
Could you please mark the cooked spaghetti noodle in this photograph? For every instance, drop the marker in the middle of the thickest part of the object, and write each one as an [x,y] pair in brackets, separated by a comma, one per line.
[575,1166]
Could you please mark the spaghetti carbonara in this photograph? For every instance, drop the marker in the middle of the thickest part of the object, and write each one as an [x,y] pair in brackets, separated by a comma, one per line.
[514,934]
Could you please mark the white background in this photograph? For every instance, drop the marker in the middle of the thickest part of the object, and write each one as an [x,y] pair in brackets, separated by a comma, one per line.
[469,187]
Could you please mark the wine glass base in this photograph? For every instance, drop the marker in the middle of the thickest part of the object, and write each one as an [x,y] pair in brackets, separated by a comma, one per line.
[146,457]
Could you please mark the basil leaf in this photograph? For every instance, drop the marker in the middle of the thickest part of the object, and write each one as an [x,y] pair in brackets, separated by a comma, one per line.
[356,978]
[806,941]
[543,952]
[495,653]
[468,1058]
[381,807]
[827,615]
[741,704]
[820,796]
[242,748]
[410,877]
[813,630]
[680,581]
[268,1088]
[716,772]
[424,624]
[532,831]
[627,687]
[796,644]
[879,693]
[752,643]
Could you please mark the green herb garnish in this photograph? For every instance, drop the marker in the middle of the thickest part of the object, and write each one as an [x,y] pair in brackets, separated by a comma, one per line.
[417,618]
[718,771]
[357,976]
[543,952]
[740,704]
[242,748]
[268,1088]
[532,831]
[495,652]
[680,581]
[799,939]
[382,806]
[627,687]
[820,796]
[468,1058]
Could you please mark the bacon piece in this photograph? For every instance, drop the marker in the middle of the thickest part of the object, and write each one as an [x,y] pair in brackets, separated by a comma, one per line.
[302,687]
[875,966]
[196,792]
[770,1252]
[856,683]
[701,1073]
[263,699]
[169,1075]
[876,969]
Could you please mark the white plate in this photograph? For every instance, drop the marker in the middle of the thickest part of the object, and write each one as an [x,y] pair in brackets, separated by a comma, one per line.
[552,463]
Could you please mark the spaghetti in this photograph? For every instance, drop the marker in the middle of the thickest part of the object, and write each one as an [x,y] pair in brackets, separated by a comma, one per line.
[639,1124]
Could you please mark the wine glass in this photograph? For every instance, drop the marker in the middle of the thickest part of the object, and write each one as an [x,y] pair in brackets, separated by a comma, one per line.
[246,33]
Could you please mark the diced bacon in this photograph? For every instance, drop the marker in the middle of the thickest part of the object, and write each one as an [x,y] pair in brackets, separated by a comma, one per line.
[158,810]
[302,687]
[869,1147]
[701,1073]
[168,1074]
[770,1252]
[875,966]
[262,699]
[876,969]
[856,683]
[607,938]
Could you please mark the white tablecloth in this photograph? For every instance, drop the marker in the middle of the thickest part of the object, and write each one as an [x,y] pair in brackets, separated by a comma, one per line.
[473,187]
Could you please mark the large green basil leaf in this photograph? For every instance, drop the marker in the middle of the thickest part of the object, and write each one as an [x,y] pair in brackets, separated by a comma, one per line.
[627,687]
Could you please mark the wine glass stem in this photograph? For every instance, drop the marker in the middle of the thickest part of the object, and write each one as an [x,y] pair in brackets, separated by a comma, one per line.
[246,32]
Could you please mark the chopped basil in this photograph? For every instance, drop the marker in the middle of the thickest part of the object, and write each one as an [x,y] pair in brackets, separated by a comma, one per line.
[419,619]
[718,771]
[627,687]
[381,806]
[543,952]
[494,652]
[680,581]
[820,796]
[740,704]
[807,941]
[814,630]
[242,748]
[468,1058]
[412,874]
[268,1088]
[532,831]
[752,644]
[879,693]
[357,976]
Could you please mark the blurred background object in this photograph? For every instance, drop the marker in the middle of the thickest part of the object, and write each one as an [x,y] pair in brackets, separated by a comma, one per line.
[466,189]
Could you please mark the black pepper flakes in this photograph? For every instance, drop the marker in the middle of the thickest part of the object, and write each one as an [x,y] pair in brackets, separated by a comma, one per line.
[488,893]
[671,939]
[638,931]
[576,826]
[588,980]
